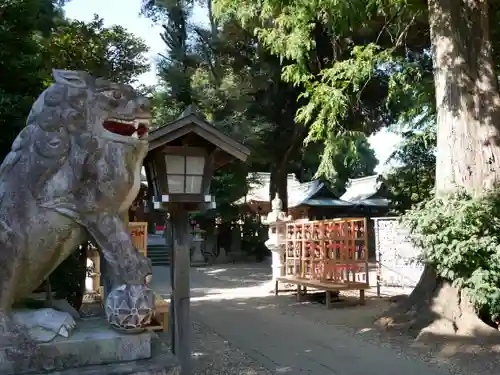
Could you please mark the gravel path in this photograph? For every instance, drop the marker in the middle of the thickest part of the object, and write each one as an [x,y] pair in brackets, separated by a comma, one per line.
[212,355]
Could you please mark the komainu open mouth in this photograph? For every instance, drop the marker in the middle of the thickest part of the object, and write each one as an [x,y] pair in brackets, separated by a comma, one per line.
[135,128]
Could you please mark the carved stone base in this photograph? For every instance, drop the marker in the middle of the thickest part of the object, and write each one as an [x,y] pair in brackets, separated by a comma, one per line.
[162,362]
[198,259]
[93,342]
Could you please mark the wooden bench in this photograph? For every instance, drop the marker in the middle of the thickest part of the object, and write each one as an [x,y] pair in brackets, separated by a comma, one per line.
[160,318]
[303,284]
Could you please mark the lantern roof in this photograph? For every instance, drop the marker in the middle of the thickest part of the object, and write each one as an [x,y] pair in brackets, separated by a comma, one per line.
[191,127]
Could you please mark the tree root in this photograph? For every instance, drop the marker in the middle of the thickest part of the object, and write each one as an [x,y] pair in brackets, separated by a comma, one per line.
[436,308]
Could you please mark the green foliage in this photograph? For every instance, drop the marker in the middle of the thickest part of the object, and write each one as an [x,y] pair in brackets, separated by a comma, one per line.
[235,83]
[411,91]
[35,38]
[413,176]
[460,238]
[24,22]
[347,156]
[229,184]
[238,85]
[163,113]
[329,99]
[109,52]
[176,67]
[359,65]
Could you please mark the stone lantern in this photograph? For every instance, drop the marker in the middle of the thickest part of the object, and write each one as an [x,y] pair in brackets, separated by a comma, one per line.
[276,220]
[197,244]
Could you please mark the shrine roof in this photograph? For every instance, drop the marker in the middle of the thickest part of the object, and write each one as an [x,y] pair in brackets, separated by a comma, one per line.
[299,193]
[192,121]
[364,191]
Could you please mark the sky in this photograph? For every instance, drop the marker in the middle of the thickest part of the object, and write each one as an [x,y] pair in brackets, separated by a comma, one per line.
[126,14]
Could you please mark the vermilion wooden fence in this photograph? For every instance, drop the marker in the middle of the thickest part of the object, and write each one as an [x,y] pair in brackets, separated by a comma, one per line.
[328,251]
[139,235]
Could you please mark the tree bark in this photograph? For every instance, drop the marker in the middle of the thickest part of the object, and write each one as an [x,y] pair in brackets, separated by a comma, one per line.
[279,184]
[467,99]
[279,172]
[468,150]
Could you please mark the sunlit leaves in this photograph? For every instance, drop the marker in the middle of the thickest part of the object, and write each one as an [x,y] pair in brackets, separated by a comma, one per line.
[109,52]
[22,27]
[35,38]
[346,156]
[330,97]
[334,49]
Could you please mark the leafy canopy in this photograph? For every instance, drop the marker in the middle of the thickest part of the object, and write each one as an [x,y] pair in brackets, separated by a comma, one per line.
[357,63]
[412,177]
[24,25]
[109,52]
[348,156]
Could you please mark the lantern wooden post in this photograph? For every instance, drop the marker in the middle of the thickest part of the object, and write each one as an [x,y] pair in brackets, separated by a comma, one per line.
[180,268]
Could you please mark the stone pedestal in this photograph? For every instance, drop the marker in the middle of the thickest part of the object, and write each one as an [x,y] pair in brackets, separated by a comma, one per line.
[197,259]
[162,362]
[197,242]
[92,343]
[277,262]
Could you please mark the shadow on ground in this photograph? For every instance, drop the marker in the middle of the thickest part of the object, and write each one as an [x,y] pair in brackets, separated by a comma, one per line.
[239,275]
[236,303]
[473,355]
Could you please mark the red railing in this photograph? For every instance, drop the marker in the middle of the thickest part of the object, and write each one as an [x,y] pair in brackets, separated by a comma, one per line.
[334,251]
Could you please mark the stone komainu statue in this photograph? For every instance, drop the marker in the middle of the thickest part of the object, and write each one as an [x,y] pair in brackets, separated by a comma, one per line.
[73,171]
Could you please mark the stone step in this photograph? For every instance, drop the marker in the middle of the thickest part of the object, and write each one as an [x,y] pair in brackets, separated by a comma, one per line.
[159,255]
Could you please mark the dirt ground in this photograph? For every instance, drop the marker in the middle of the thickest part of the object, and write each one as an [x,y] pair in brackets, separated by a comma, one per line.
[458,354]
[472,354]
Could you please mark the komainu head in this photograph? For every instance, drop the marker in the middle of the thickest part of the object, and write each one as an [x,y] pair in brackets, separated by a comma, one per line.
[89,132]
[83,104]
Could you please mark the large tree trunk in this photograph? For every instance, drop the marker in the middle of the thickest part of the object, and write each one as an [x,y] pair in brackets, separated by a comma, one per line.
[468,151]
[467,99]
[279,171]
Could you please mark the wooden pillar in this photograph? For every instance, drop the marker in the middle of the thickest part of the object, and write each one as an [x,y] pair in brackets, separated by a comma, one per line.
[181,304]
